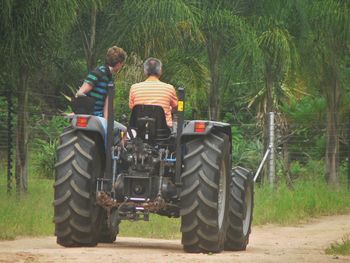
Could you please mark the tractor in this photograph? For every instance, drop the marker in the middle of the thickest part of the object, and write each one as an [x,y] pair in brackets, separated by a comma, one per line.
[107,172]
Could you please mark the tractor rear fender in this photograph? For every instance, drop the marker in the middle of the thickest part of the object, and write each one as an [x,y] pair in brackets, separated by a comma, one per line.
[190,131]
[94,124]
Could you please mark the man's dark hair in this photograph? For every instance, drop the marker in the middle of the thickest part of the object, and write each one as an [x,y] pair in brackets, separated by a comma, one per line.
[152,67]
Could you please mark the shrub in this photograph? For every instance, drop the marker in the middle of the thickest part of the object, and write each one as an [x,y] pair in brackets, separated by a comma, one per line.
[45,158]
[297,170]
[45,146]
[245,151]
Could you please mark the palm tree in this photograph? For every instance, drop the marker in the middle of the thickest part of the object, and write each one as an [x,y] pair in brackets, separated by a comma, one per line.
[279,56]
[226,38]
[275,26]
[325,49]
[92,24]
[151,27]
[31,34]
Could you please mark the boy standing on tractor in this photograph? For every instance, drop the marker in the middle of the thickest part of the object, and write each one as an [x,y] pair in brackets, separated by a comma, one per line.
[96,83]
[152,91]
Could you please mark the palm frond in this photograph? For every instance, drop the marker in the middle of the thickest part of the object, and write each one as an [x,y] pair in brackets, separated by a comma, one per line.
[187,70]
[156,25]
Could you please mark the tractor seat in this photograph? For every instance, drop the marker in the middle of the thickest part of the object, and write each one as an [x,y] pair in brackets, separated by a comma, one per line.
[149,122]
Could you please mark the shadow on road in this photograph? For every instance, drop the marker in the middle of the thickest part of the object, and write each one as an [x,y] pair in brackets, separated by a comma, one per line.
[174,246]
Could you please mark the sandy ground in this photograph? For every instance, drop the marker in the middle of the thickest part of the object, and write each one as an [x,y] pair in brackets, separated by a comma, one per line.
[269,243]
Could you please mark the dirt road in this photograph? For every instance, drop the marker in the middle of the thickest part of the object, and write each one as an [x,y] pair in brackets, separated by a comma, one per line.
[304,243]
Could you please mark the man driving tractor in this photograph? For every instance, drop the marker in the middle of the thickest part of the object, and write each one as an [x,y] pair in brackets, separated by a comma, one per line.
[152,91]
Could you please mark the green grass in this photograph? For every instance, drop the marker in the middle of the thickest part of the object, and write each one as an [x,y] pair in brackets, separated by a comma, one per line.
[30,215]
[307,199]
[157,227]
[340,248]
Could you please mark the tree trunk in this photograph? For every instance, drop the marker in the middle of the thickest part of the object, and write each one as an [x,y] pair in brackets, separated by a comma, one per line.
[284,131]
[286,165]
[89,39]
[22,134]
[214,89]
[332,138]
[91,59]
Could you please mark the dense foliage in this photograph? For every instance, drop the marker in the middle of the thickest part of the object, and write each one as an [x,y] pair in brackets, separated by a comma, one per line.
[237,59]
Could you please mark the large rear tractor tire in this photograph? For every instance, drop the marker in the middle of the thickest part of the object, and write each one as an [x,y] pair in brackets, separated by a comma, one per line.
[205,193]
[241,209]
[79,164]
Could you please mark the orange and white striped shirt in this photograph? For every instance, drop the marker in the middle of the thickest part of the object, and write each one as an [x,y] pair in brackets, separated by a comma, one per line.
[152,91]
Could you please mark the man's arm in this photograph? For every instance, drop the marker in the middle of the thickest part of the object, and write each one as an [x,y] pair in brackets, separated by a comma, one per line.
[131,98]
[89,82]
[173,99]
[85,88]
[105,109]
